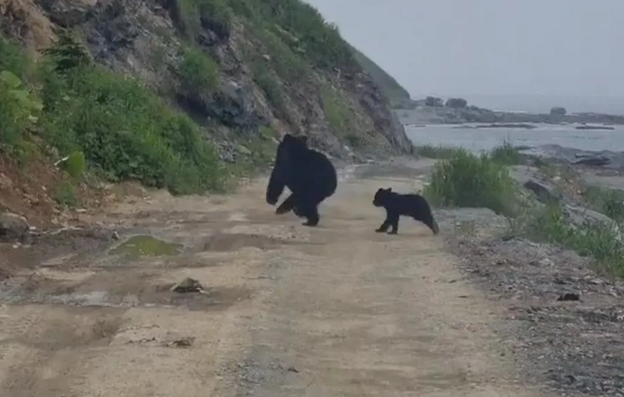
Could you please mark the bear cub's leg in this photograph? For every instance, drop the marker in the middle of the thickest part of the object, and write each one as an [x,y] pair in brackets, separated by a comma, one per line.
[422,213]
[391,221]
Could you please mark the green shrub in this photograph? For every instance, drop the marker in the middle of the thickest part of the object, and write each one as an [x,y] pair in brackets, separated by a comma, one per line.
[338,116]
[436,152]
[355,141]
[467,180]
[545,224]
[506,154]
[321,41]
[107,122]
[19,109]
[286,63]
[217,14]
[271,88]
[302,28]
[263,147]
[550,224]
[13,58]
[68,53]
[191,14]
[75,164]
[65,195]
[13,117]
[607,201]
[199,73]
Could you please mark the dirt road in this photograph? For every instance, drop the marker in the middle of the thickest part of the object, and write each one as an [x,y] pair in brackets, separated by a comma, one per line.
[336,310]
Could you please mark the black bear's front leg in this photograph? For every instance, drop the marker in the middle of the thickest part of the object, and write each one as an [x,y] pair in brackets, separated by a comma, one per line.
[386,223]
[275,188]
[384,226]
[392,219]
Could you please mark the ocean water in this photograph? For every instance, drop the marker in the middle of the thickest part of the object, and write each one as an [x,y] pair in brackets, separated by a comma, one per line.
[478,140]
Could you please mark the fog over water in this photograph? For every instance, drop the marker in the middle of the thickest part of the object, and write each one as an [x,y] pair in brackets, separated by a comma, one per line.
[504,54]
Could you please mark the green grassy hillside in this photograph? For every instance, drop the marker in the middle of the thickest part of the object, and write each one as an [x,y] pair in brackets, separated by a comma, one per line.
[181,94]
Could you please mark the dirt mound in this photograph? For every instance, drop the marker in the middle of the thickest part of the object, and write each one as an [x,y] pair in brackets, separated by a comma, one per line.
[30,190]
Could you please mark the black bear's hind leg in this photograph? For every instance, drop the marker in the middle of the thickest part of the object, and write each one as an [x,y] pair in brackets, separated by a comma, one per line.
[430,222]
[286,205]
[434,227]
[298,212]
[313,217]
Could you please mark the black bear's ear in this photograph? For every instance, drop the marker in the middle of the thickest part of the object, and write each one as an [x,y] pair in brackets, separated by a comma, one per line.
[389,190]
[287,137]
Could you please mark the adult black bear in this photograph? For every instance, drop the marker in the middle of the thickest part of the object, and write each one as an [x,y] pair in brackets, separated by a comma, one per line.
[396,204]
[309,175]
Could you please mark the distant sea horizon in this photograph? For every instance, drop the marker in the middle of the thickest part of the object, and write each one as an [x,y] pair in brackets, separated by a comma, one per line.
[541,103]
[486,139]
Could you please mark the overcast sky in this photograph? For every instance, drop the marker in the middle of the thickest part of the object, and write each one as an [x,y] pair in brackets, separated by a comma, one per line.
[490,47]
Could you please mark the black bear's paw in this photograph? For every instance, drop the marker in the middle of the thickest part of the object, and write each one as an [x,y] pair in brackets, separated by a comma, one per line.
[310,223]
[379,230]
[280,210]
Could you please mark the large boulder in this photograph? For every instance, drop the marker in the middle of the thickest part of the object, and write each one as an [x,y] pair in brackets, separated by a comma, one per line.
[538,184]
[580,216]
[13,227]
[544,192]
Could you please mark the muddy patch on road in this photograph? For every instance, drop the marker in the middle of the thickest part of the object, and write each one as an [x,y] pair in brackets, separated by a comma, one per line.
[115,289]
[261,236]
[142,245]
[227,242]
[568,322]
[64,246]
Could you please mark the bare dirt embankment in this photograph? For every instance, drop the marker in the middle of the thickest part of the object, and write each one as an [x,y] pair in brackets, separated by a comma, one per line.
[285,310]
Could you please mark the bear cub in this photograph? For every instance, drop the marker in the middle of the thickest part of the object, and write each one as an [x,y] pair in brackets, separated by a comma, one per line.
[397,204]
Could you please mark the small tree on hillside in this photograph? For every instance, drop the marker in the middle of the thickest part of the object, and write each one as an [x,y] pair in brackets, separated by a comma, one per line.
[456,103]
[434,102]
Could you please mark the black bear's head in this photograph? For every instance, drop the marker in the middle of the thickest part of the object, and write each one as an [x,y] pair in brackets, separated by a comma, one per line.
[381,197]
[289,152]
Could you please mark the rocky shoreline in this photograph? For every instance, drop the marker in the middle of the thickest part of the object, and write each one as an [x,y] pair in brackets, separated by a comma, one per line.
[603,163]
[420,114]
